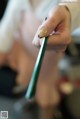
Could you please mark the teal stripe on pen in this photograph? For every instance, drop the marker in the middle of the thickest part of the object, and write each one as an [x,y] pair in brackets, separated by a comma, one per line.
[32,85]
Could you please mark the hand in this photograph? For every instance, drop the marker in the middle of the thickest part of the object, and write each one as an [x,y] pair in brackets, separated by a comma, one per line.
[58,28]
[18,59]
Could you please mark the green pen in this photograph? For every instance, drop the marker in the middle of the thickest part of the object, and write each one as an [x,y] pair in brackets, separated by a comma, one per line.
[32,85]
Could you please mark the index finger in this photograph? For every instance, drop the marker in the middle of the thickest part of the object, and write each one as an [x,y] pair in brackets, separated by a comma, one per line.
[51,23]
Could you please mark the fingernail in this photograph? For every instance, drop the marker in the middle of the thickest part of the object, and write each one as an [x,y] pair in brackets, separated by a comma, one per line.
[43,32]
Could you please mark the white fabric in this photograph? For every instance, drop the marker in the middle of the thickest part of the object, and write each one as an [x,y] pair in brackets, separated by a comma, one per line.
[74,8]
[11,19]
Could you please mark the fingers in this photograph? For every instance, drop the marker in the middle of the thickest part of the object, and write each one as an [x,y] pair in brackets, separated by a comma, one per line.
[22,78]
[17,59]
[59,39]
[47,27]
[50,24]
[57,27]
[24,67]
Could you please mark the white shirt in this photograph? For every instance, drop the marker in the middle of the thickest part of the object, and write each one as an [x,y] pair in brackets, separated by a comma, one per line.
[11,18]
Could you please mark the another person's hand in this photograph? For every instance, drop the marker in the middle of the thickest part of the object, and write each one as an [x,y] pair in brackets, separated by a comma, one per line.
[18,59]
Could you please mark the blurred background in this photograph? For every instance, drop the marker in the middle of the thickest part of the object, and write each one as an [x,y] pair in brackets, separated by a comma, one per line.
[69,67]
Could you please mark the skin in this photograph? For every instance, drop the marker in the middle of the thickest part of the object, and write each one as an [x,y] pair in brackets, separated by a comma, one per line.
[58,29]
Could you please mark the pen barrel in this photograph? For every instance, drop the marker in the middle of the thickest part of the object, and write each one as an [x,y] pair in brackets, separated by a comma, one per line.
[32,85]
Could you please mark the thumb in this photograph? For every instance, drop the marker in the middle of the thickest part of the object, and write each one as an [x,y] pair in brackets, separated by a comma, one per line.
[50,24]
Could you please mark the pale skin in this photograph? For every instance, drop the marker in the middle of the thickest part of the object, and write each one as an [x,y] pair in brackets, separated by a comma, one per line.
[57,27]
